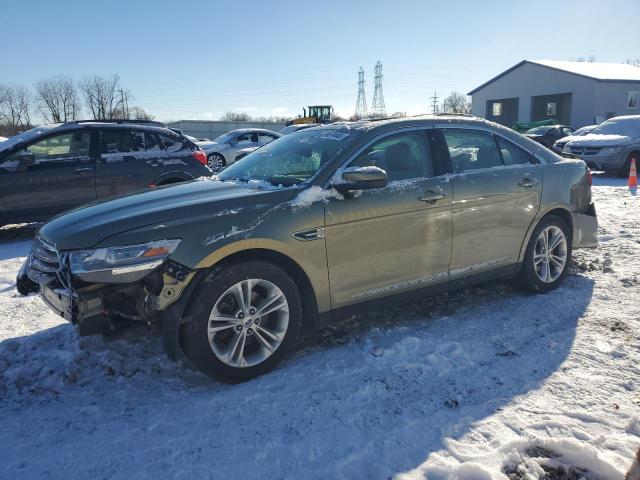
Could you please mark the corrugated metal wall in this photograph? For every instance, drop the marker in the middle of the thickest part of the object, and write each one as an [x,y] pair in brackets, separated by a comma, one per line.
[212,129]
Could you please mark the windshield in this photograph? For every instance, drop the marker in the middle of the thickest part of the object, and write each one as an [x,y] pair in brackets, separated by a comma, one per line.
[583,131]
[26,136]
[291,159]
[224,138]
[539,130]
[629,127]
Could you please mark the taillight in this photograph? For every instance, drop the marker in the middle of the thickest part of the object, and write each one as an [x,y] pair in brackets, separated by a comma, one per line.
[200,156]
[589,177]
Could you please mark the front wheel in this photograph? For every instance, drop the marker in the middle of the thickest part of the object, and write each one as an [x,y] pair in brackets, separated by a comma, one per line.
[548,255]
[216,162]
[246,319]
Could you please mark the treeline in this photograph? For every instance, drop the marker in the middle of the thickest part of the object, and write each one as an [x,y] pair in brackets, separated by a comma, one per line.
[62,99]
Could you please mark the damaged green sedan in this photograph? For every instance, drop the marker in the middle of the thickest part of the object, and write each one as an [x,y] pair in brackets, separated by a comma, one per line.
[316,225]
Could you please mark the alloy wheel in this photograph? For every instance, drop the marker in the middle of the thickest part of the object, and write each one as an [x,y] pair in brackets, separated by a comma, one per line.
[215,163]
[550,254]
[248,323]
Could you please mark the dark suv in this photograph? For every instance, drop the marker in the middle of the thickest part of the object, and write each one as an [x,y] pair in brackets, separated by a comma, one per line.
[53,168]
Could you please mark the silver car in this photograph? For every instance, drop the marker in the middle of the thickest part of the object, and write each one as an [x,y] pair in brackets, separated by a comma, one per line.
[558,146]
[610,146]
[232,146]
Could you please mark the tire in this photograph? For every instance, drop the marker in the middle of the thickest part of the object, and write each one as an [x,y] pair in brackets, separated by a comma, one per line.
[544,274]
[216,162]
[237,350]
[623,171]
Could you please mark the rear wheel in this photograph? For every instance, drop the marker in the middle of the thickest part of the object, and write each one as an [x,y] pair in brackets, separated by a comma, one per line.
[216,162]
[245,321]
[548,255]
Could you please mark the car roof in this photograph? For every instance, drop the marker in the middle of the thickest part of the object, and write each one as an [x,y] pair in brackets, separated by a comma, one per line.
[252,130]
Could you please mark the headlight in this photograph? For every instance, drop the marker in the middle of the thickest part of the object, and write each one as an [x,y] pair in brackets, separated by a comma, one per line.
[610,150]
[120,264]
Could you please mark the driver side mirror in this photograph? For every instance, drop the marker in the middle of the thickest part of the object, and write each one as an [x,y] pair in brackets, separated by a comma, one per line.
[362,178]
[26,158]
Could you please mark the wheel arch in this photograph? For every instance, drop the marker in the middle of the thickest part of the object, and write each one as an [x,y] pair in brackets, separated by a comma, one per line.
[289,265]
[557,211]
[172,177]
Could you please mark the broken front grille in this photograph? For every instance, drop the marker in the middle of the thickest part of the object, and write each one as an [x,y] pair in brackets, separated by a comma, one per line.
[44,263]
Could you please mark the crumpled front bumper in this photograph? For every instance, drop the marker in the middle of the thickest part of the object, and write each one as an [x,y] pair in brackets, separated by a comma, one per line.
[585,228]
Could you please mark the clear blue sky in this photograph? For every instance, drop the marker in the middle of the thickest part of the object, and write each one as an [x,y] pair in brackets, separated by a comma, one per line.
[198,59]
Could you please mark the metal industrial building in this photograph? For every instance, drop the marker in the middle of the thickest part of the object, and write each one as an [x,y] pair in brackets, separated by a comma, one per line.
[572,93]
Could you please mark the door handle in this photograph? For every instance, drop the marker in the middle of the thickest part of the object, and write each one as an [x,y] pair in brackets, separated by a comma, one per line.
[153,163]
[432,196]
[528,182]
[82,171]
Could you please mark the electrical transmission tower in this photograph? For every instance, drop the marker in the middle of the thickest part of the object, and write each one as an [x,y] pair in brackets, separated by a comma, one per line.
[434,103]
[377,108]
[361,104]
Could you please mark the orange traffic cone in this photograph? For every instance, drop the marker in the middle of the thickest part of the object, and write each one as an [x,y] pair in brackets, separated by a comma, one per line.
[633,175]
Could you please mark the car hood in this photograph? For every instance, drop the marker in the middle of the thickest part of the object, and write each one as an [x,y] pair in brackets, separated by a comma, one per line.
[86,226]
[599,140]
[210,146]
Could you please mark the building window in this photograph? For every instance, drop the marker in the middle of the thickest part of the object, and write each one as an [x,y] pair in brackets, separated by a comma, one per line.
[551,109]
[496,109]
[633,99]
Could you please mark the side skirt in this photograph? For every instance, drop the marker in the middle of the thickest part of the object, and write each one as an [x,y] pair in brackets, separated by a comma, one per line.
[418,294]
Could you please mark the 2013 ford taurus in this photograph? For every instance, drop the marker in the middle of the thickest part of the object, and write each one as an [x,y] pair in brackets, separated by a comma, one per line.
[316,225]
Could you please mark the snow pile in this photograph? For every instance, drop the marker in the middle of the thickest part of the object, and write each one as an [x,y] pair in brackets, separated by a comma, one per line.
[487,383]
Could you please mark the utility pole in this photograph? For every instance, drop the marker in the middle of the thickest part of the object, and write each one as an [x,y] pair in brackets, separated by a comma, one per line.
[378,108]
[124,101]
[361,104]
[434,103]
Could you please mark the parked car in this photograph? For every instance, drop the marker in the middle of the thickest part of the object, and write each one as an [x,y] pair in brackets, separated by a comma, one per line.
[50,169]
[2,139]
[559,144]
[223,151]
[296,128]
[549,134]
[610,146]
[310,228]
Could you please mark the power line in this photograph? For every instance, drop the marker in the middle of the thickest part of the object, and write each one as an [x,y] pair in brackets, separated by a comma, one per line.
[361,104]
[378,108]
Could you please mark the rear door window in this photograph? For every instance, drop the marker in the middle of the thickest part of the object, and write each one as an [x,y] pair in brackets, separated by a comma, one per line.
[151,143]
[511,154]
[471,150]
[121,141]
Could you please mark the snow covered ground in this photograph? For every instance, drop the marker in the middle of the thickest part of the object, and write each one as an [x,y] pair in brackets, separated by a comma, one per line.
[486,383]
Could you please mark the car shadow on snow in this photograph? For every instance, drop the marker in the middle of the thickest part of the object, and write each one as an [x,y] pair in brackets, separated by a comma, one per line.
[367,398]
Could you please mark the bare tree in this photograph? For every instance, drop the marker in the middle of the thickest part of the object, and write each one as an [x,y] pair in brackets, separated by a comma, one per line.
[15,108]
[456,103]
[633,61]
[58,99]
[590,59]
[104,97]
[235,117]
[139,113]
